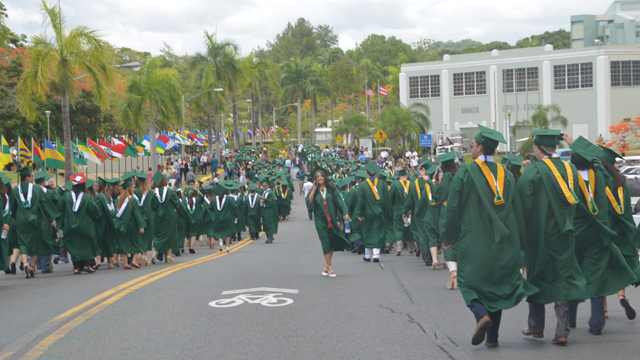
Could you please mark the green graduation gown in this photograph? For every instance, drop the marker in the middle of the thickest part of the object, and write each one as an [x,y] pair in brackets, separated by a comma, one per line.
[623,225]
[146,210]
[78,227]
[399,196]
[442,193]
[166,209]
[240,210]
[193,225]
[270,213]
[549,235]
[352,201]
[128,223]
[105,226]
[373,227]
[487,240]
[601,261]
[330,237]
[34,221]
[284,201]
[416,207]
[253,213]
[223,211]
[4,243]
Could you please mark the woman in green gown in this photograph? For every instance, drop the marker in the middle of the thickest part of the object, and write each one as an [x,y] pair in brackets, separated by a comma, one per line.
[166,208]
[448,168]
[284,201]
[129,224]
[240,224]
[328,208]
[34,215]
[252,212]
[105,223]
[5,249]
[76,214]
[194,203]
[144,197]
[269,204]
[222,208]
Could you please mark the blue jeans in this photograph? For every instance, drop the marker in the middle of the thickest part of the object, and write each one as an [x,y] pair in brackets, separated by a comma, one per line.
[479,311]
[596,320]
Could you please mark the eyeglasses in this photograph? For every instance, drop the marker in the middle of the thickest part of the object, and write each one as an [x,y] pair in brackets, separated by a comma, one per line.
[473,145]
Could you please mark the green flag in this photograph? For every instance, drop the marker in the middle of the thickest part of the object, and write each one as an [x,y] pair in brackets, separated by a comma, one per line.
[61,151]
[78,156]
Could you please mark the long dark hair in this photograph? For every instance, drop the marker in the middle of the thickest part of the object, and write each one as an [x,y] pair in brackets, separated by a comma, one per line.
[580,163]
[328,183]
[618,179]
[516,173]
[79,188]
[3,192]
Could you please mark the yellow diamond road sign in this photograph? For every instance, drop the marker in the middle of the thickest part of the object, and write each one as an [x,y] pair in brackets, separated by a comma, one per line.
[380,135]
[339,138]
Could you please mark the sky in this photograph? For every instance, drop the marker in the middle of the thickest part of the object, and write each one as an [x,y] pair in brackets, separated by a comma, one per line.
[145,25]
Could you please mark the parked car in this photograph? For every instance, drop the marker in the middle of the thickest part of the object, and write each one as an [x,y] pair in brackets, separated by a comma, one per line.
[633,174]
[565,154]
[456,148]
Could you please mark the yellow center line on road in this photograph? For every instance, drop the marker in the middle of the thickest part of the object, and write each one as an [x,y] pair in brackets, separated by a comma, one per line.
[120,292]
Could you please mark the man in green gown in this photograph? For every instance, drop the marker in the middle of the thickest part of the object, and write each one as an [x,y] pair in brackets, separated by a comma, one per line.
[399,196]
[482,218]
[44,262]
[547,195]
[371,212]
[166,208]
[253,212]
[420,197]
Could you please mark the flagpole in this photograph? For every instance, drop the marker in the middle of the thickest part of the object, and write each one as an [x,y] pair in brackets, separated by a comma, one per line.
[379,96]
[366,96]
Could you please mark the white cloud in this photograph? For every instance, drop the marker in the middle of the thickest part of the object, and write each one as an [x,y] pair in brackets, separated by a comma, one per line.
[145,24]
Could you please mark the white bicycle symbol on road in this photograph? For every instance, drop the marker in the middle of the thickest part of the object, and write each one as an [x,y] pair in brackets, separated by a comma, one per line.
[269,299]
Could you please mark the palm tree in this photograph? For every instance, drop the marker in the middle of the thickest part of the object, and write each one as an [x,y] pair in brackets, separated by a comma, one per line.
[296,82]
[355,126]
[325,59]
[154,97]
[421,115]
[255,73]
[220,60]
[57,60]
[545,117]
[396,121]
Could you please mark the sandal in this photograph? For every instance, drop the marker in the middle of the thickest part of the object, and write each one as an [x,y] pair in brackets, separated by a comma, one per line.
[88,269]
[32,272]
[628,309]
[330,270]
[26,274]
[76,272]
[325,270]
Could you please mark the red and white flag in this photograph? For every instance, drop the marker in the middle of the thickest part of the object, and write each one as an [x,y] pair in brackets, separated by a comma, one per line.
[383,91]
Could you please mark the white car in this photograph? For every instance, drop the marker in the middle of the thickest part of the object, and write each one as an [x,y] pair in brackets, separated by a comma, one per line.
[633,174]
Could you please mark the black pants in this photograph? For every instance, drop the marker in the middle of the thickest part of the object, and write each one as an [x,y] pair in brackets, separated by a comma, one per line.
[80,264]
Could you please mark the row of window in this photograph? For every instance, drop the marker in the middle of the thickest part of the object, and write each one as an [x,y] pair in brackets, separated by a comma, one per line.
[567,76]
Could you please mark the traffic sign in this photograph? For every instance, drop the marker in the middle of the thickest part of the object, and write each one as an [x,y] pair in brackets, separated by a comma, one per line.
[380,135]
[425,140]
[339,138]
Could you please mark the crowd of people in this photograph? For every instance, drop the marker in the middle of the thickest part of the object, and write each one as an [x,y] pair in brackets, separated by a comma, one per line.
[540,229]
[122,221]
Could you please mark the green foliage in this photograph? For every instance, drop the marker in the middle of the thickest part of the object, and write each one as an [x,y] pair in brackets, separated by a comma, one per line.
[353,128]
[382,51]
[397,123]
[301,40]
[560,39]
[545,117]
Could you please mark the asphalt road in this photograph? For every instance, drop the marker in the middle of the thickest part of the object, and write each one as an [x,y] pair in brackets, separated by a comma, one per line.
[401,311]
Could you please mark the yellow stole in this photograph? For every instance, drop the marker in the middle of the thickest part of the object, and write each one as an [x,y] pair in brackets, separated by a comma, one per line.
[496,186]
[374,188]
[405,186]
[567,191]
[589,193]
[619,208]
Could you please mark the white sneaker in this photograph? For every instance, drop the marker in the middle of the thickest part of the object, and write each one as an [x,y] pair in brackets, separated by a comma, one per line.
[399,252]
[227,249]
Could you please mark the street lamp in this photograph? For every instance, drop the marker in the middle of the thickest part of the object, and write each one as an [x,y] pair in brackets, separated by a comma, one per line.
[193,97]
[274,113]
[509,130]
[48,113]
[135,66]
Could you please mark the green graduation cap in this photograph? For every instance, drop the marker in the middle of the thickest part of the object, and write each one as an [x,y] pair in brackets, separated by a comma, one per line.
[431,170]
[114,181]
[6,181]
[68,185]
[360,174]
[402,172]
[102,182]
[447,159]
[609,155]
[41,176]
[546,137]
[127,183]
[515,162]
[158,178]
[584,149]
[319,169]
[489,137]
[372,168]
[383,175]
[127,176]
[141,175]
[426,163]
[90,183]
[253,187]
[505,159]
[25,171]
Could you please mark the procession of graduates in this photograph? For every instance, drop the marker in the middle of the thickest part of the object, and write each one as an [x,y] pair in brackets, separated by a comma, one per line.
[122,221]
[542,229]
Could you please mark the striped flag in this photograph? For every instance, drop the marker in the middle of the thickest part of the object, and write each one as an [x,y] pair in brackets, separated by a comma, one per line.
[26,159]
[54,158]
[38,155]
[100,153]
[88,153]
[5,154]
[384,91]
[369,92]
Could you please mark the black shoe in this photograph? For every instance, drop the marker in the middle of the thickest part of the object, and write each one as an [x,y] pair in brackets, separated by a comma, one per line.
[192,251]
[55,261]
[13,268]
[177,254]
[366,259]
[21,266]
[49,271]
[268,241]
[182,250]
[160,256]
[376,260]
[595,331]
[7,271]
[418,253]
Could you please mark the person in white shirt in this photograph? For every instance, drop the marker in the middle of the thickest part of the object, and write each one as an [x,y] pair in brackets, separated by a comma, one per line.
[306,189]
[414,161]
[384,154]
[408,154]
[367,153]
[440,142]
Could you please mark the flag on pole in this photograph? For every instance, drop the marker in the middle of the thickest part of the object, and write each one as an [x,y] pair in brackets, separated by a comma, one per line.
[369,92]
[100,153]
[5,153]
[106,147]
[26,159]
[384,91]
[54,158]
[249,133]
[60,148]
[257,132]
[38,155]
[88,153]
[78,155]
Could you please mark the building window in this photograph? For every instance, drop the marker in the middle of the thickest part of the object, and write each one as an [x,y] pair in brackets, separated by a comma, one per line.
[422,87]
[573,76]
[470,83]
[520,80]
[625,73]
